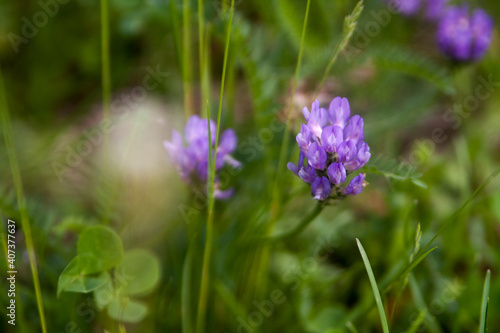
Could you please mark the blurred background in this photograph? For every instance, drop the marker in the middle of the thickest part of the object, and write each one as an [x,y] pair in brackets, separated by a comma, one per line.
[428,158]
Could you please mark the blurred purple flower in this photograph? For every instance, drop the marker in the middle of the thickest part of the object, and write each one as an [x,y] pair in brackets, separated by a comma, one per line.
[333,145]
[405,7]
[464,36]
[191,162]
[435,9]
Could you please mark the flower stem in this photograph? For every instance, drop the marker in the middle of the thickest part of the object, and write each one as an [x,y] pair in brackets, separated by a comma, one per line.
[299,228]
[201,52]
[21,201]
[106,76]
[286,135]
[186,58]
[205,273]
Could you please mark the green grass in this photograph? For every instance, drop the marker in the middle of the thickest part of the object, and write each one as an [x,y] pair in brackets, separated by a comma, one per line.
[376,292]
[484,303]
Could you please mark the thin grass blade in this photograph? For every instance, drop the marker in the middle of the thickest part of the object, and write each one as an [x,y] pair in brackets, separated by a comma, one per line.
[376,292]
[484,304]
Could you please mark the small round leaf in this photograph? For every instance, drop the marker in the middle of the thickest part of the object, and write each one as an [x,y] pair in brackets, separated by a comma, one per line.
[102,243]
[140,270]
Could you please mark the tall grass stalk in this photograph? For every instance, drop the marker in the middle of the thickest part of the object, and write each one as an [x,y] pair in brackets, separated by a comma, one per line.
[201,51]
[105,70]
[186,58]
[205,273]
[21,200]
[176,33]
[286,134]
[350,23]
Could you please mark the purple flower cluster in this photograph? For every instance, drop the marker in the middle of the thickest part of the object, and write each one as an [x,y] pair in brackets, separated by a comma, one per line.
[461,35]
[191,161]
[332,142]
[465,36]
[433,8]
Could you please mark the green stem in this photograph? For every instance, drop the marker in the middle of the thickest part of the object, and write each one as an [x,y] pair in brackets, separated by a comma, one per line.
[186,58]
[106,76]
[205,274]
[286,136]
[21,201]
[299,228]
[201,51]
[350,24]
[176,33]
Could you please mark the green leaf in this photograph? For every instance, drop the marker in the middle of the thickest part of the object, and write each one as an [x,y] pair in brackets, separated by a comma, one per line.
[408,62]
[74,279]
[73,223]
[104,295]
[394,170]
[376,292]
[483,328]
[103,243]
[127,310]
[142,269]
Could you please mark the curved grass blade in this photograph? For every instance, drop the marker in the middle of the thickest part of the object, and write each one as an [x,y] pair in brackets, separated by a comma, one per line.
[187,320]
[376,292]
[21,200]
[418,321]
[464,205]
[484,305]
[410,266]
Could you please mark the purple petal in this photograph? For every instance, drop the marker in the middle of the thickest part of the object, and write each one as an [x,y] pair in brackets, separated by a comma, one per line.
[339,111]
[356,185]
[337,173]
[363,153]
[304,137]
[362,157]
[228,159]
[228,142]
[435,9]
[482,28]
[307,174]
[405,7]
[318,119]
[354,130]
[173,147]
[223,195]
[455,36]
[321,188]
[347,151]
[331,138]
[192,128]
[306,113]
[316,156]
[293,168]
